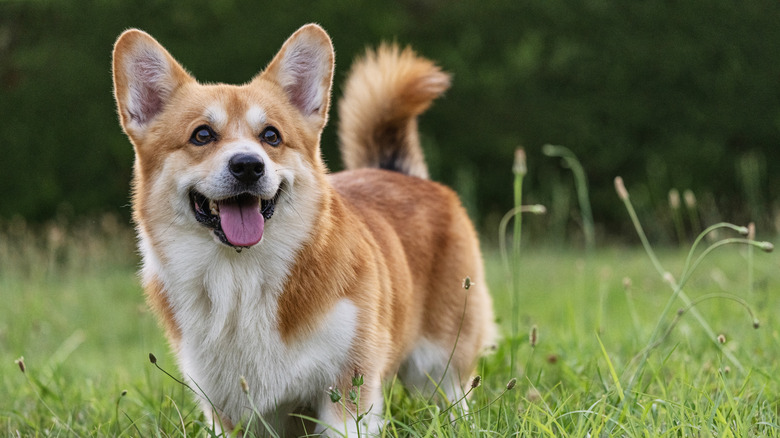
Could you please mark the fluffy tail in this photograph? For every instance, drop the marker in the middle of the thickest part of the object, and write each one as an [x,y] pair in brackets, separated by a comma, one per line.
[385,92]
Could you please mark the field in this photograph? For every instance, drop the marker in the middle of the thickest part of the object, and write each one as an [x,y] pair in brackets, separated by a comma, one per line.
[73,309]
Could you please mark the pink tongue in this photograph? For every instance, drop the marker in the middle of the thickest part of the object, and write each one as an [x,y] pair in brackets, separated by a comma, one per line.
[241,221]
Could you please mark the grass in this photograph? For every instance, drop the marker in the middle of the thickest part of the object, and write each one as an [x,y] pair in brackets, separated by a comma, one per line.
[73,308]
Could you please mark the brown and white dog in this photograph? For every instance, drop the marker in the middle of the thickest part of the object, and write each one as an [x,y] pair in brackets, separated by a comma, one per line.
[262,265]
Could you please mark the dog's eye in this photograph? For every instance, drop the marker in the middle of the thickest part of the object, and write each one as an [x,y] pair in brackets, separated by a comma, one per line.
[203,134]
[271,136]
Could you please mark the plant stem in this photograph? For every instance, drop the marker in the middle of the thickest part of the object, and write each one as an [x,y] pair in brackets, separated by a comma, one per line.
[581,182]
[519,169]
[677,288]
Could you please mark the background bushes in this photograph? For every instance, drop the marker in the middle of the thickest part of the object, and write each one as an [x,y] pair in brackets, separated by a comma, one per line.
[679,95]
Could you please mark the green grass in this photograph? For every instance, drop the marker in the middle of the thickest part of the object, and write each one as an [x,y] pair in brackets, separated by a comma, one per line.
[72,306]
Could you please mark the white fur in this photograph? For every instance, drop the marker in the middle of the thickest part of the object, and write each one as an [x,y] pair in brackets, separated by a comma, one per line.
[255,117]
[217,117]
[426,366]
[225,303]
[214,180]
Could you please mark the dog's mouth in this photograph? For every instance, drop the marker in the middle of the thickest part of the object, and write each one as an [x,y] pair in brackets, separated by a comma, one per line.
[237,221]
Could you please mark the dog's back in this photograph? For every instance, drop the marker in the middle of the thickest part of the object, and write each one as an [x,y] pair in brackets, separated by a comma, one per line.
[387,186]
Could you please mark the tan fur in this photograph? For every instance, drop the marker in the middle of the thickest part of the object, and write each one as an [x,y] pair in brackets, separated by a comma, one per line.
[157,300]
[385,92]
[396,246]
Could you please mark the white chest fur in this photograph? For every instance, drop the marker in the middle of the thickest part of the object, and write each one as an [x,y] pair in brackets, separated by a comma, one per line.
[225,305]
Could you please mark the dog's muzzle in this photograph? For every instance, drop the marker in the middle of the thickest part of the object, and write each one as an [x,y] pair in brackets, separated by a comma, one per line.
[237,221]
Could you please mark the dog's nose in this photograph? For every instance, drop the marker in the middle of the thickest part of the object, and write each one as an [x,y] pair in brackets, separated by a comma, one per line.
[246,168]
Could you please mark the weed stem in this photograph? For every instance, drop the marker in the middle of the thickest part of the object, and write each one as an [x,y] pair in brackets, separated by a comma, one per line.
[581,182]
[677,287]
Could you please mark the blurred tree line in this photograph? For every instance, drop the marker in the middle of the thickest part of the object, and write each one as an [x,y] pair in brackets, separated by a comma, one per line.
[667,94]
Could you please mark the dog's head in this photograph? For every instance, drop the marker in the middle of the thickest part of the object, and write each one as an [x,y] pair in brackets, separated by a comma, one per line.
[221,156]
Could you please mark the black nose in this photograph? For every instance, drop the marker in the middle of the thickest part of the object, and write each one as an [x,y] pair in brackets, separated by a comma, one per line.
[246,168]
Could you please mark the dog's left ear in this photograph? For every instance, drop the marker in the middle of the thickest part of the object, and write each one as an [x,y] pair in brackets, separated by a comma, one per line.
[304,69]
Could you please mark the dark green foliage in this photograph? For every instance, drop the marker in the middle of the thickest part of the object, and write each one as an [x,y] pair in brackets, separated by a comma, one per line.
[666,94]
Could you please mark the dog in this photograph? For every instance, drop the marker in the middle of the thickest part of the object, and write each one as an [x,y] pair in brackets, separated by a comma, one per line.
[277,282]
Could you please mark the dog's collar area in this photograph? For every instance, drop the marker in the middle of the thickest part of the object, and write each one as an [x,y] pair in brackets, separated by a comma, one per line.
[206,211]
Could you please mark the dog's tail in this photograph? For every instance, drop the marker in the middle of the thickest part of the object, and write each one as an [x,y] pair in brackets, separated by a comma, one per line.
[385,92]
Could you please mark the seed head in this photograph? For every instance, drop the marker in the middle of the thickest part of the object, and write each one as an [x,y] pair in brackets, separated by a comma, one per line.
[756,324]
[690,199]
[476,381]
[244,385]
[766,246]
[721,338]
[335,394]
[467,283]
[511,384]
[519,166]
[620,188]
[20,363]
[357,380]
[152,359]
[533,337]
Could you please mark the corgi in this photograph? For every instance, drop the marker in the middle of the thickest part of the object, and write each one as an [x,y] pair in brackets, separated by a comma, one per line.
[276,281]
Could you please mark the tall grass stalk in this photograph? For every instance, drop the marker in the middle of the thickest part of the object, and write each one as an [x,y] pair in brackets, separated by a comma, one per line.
[520,169]
[751,235]
[677,287]
[581,182]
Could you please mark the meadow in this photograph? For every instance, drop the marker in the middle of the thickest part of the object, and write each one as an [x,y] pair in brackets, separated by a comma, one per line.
[75,338]
[600,338]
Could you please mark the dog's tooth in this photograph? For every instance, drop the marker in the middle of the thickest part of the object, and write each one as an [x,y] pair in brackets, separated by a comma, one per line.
[214,207]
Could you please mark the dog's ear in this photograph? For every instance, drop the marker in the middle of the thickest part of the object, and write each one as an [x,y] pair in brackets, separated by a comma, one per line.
[304,69]
[145,78]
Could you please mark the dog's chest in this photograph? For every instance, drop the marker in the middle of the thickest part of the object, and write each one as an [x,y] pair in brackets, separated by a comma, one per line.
[229,324]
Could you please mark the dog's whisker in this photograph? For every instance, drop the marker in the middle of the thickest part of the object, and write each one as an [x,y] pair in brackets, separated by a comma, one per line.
[291,205]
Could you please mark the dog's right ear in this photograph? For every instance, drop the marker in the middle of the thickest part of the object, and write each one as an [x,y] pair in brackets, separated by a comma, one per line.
[145,78]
